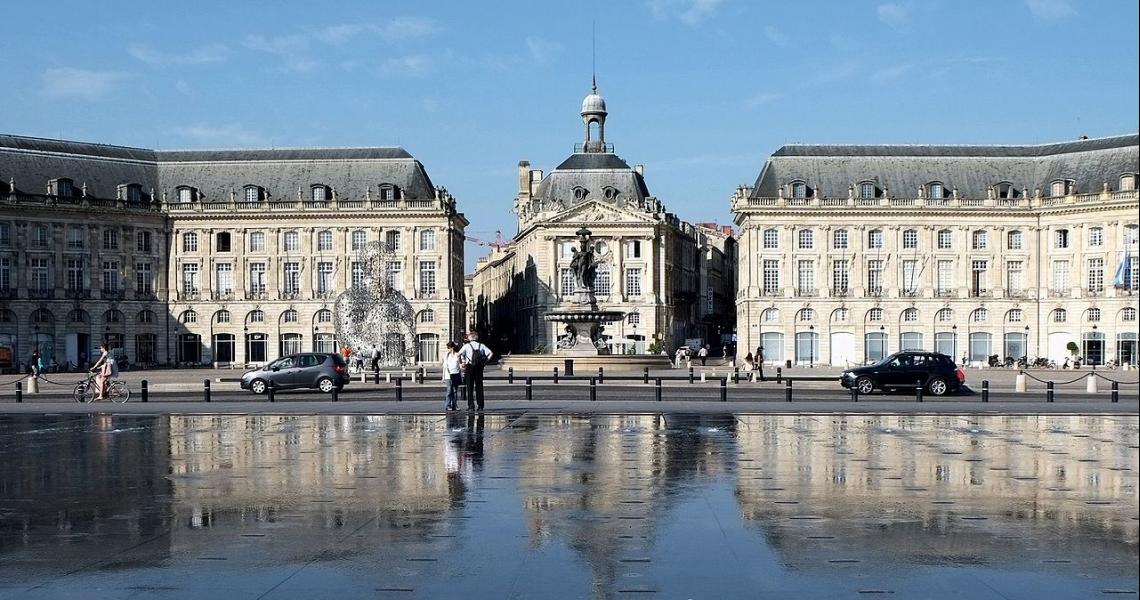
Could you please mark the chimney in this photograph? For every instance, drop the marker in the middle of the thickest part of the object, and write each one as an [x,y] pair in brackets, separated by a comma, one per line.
[524,176]
[640,169]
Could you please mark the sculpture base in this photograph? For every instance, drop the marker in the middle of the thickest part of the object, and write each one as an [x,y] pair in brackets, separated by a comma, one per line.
[582,334]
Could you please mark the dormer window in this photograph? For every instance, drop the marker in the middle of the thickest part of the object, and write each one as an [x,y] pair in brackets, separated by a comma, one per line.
[320,193]
[610,193]
[131,192]
[868,190]
[387,192]
[800,189]
[187,194]
[254,193]
[580,192]
[934,189]
[63,188]
[1006,189]
[1059,187]
[1128,182]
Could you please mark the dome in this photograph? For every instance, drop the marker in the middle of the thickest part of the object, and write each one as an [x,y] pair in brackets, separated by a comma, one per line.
[593,103]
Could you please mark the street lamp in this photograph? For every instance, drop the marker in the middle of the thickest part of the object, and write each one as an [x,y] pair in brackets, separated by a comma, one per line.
[811,346]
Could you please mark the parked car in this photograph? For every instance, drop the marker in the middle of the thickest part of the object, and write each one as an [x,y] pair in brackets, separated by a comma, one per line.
[320,370]
[904,370]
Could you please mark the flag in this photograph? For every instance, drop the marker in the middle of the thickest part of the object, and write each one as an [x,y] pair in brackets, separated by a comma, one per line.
[1123,278]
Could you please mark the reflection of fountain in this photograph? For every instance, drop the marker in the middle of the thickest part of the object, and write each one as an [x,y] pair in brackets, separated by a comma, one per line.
[371,314]
[582,335]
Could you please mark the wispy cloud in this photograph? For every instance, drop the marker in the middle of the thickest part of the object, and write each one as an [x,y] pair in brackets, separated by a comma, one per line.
[412,65]
[1051,9]
[891,72]
[761,99]
[541,50]
[81,84]
[775,35]
[689,11]
[223,135]
[198,56]
[299,49]
[895,14]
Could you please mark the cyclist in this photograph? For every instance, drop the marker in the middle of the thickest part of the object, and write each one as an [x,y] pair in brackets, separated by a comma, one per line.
[107,369]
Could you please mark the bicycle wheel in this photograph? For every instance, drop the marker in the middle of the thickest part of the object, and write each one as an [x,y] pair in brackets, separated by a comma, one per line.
[80,392]
[119,392]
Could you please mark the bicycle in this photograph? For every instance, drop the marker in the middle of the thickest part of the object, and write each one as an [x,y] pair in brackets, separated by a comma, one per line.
[85,391]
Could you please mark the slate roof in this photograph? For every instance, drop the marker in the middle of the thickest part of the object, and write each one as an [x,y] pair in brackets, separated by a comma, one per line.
[34,161]
[830,169]
[593,171]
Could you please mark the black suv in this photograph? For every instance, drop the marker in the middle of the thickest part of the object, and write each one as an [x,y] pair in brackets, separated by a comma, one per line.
[936,372]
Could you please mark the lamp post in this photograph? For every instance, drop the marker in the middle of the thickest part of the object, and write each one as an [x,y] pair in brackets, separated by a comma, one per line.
[883,341]
[634,317]
[1026,348]
[811,346]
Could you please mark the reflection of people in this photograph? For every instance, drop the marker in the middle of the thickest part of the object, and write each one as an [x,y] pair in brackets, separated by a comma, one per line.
[106,370]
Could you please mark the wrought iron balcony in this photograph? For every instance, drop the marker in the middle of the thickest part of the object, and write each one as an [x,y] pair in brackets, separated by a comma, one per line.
[41,294]
[873,293]
[945,293]
[222,295]
[771,292]
[291,295]
[150,295]
[257,294]
[981,294]
[112,293]
[77,294]
[188,295]
[1056,293]
[806,292]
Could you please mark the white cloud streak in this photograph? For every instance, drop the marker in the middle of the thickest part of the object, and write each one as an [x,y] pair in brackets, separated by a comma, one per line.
[692,12]
[219,136]
[1051,9]
[201,55]
[80,84]
[895,14]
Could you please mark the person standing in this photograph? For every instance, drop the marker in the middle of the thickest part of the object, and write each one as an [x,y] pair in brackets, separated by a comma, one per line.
[375,358]
[474,356]
[703,353]
[37,363]
[452,375]
[106,370]
[759,358]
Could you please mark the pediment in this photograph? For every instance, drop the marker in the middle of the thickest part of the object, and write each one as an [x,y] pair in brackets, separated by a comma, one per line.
[599,212]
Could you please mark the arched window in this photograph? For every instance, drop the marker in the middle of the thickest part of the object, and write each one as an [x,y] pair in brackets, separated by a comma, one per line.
[1014,240]
[427,316]
[392,241]
[934,189]
[145,317]
[387,192]
[223,242]
[839,315]
[256,316]
[806,315]
[289,316]
[1128,182]
[910,239]
[771,315]
[944,315]
[868,189]
[806,239]
[113,316]
[910,315]
[131,192]
[222,316]
[610,192]
[875,239]
[979,239]
[320,193]
[1096,236]
[945,239]
[78,316]
[253,193]
[799,189]
[1058,187]
[1131,233]
[1060,315]
[42,316]
[291,241]
[190,242]
[875,314]
[771,239]
[188,316]
[324,316]
[839,239]
[359,239]
[1014,316]
[580,192]
[1006,189]
[980,315]
[1092,315]
[1128,314]
[427,240]
[186,194]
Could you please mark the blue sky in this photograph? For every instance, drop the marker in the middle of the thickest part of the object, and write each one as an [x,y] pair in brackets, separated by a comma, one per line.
[700,91]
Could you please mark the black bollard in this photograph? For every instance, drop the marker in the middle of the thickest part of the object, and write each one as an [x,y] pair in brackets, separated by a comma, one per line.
[1048,391]
[270,391]
[690,374]
[336,393]
[593,389]
[736,376]
[529,389]
[788,390]
[399,390]
[854,394]
[423,374]
[555,374]
[645,375]
[601,375]
[1115,391]
[145,390]
[779,375]
[510,374]
[657,390]
[724,389]
[985,390]
[206,389]
[19,393]
[568,367]
[376,377]
[918,391]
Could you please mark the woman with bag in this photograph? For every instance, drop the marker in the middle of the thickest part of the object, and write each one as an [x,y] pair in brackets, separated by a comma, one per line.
[452,376]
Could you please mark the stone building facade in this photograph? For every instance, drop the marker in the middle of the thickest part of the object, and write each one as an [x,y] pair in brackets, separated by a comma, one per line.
[212,256]
[849,253]
[650,261]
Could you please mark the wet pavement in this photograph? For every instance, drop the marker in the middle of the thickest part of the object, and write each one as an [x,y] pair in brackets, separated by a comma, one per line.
[525,505]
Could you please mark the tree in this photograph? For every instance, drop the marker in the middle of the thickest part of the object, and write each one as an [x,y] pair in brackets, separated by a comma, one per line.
[1073,348]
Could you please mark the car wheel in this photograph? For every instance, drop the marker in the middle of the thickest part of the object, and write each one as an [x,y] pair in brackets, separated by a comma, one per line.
[258,386]
[937,386]
[864,385]
[326,385]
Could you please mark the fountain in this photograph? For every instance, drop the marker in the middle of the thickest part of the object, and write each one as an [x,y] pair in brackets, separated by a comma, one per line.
[582,334]
[371,314]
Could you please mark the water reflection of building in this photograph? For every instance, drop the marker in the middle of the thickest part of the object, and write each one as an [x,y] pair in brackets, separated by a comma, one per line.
[905,487]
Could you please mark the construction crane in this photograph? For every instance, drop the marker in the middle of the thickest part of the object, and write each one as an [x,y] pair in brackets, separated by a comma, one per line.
[498,243]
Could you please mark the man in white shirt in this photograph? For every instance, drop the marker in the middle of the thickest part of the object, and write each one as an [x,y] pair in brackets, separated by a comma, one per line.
[474,357]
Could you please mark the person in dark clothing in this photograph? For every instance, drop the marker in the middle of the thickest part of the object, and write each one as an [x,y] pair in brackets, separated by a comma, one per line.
[759,358]
[375,359]
[474,357]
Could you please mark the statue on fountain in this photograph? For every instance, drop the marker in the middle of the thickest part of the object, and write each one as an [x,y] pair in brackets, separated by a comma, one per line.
[584,329]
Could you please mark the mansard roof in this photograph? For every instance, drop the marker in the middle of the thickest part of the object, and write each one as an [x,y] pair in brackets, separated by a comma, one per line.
[593,172]
[32,162]
[831,169]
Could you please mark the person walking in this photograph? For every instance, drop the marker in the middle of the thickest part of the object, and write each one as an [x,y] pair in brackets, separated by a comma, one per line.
[37,363]
[106,369]
[703,353]
[375,358]
[749,364]
[452,375]
[680,357]
[474,356]
[759,358]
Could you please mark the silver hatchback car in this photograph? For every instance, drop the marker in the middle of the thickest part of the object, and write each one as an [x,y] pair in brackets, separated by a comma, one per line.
[319,370]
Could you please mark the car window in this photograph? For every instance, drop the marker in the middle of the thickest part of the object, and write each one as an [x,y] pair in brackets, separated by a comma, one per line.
[284,363]
[310,360]
[901,361]
[920,360]
[338,359]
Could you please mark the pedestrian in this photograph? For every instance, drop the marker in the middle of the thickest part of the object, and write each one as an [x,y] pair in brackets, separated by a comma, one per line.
[375,358]
[452,375]
[748,363]
[680,357]
[34,363]
[474,357]
[703,353]
[759,358]
[106,369]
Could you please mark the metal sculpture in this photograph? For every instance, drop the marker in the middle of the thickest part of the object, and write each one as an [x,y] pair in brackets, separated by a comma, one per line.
[371,314]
